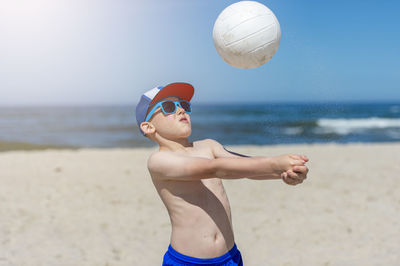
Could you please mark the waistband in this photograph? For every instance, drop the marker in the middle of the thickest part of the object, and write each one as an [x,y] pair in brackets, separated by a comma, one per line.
[228,255]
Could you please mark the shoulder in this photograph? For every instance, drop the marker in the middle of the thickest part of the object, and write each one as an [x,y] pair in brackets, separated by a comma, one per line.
[214,146]
[165,161]
[160,156]
[211,143]
[157,159]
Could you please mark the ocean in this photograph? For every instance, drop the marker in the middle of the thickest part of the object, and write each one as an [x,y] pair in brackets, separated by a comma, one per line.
[230,124]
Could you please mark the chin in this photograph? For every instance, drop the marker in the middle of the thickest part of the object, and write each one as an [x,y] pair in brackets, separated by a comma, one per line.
[185,133]
[178,135]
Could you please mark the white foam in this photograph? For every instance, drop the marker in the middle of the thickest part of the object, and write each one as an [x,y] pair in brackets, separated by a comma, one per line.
[346,126]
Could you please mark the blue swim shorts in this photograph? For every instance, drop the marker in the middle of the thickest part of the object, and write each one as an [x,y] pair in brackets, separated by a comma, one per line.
[230,258]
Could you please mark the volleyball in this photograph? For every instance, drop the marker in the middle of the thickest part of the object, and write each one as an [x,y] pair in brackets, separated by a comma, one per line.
[246,34]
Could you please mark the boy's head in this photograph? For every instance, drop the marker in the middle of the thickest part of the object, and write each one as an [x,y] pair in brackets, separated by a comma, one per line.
[164,112]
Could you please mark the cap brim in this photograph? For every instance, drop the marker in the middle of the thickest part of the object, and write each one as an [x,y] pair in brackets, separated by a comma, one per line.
[180,89]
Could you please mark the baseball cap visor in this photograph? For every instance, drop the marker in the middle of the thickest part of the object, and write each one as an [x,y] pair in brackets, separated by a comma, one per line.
[180,89]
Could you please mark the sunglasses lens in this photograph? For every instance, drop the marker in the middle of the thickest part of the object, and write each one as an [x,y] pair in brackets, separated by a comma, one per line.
[186,106]
[169,106]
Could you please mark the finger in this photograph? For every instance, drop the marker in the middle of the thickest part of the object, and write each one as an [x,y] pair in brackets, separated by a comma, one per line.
[299,157]
[287,178]
[290,179]
[292,174]
[305,158]
[298,162]
[295,157]
[301,176]
[295,176]
[300,169]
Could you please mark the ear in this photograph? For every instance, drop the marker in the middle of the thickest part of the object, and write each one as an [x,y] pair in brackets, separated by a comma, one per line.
[147,127]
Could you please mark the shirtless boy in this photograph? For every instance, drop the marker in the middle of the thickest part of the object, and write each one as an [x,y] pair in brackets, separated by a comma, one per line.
[187,176]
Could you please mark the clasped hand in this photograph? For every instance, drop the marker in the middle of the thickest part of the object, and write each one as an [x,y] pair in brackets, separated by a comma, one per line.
[293,168]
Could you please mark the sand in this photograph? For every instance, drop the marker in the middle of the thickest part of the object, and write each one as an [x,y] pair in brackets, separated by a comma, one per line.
[99,207]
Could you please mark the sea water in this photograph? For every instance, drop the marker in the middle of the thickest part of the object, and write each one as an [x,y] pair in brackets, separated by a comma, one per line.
[228,123]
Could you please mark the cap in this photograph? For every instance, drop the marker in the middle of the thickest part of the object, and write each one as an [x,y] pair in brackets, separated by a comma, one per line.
[180,89]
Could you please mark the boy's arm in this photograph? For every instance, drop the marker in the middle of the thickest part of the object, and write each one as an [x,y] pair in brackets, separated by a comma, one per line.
[170,166]
[290,177]
[220,151]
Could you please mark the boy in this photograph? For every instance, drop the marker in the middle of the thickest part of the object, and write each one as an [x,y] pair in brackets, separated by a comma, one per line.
[187,176]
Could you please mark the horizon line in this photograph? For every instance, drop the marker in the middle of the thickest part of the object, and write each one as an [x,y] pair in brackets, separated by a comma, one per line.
[94,104]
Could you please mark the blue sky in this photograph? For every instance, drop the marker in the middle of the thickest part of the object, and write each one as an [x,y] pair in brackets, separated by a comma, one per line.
[109,52]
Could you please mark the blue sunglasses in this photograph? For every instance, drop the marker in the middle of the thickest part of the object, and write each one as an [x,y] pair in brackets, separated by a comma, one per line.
[169,107]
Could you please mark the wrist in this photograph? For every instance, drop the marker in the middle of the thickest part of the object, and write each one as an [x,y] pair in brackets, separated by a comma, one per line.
[271,167]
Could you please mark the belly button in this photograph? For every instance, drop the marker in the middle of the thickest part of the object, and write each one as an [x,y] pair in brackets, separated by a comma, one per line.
[215,237]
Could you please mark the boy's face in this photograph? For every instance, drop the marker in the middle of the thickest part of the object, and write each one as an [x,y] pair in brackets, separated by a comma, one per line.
[171,126]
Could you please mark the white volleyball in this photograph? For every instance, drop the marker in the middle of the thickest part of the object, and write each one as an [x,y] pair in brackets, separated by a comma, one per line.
[246,34]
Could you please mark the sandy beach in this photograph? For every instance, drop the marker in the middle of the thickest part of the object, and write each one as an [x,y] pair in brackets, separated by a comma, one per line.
[99,207]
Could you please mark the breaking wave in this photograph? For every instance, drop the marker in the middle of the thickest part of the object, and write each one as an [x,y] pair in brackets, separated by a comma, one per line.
[346,126]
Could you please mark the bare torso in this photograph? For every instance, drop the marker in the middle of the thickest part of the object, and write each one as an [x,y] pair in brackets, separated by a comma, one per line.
[199,211]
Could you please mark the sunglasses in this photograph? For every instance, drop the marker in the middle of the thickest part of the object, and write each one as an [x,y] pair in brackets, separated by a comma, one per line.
[169,107]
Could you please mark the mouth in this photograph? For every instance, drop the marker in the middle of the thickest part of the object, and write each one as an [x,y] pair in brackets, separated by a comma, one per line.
[184,120]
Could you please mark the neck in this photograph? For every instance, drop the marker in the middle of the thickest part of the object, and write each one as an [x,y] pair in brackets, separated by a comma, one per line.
[174,145]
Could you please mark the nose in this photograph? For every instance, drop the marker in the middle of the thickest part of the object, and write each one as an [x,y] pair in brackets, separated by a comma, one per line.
[179,109]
